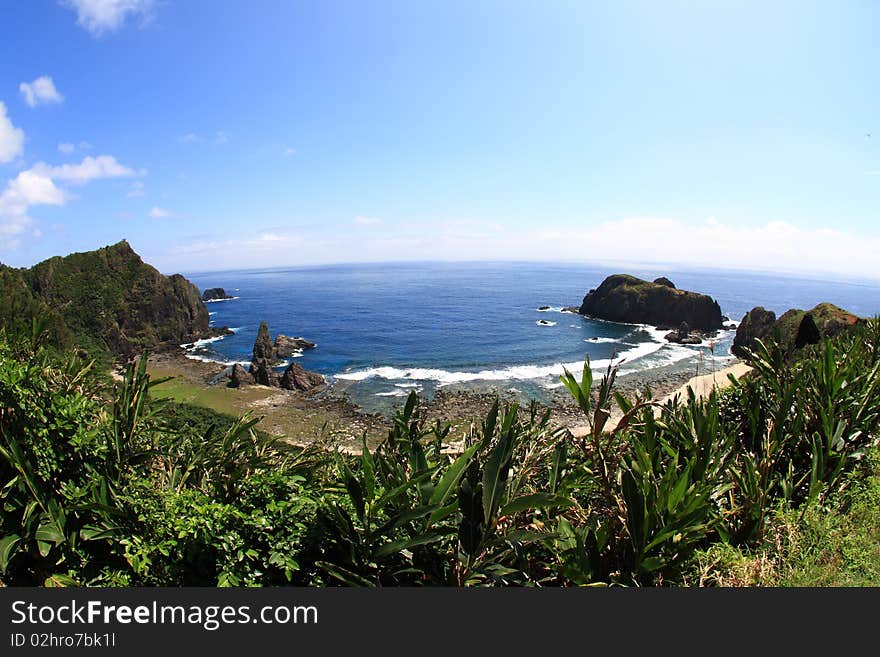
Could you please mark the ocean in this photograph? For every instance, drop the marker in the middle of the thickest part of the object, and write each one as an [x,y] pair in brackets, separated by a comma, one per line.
[383,330]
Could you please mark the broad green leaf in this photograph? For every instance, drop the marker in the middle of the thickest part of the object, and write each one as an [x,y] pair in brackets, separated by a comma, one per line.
[59,580]
[407,543]
[495,475]
[533,501]
[449,481]
[8,545]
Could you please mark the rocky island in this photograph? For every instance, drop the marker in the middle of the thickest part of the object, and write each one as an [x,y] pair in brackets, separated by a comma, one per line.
[216,294]
[625,298]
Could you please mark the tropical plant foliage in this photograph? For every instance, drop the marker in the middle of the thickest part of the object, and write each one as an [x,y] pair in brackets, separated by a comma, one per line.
[102,485]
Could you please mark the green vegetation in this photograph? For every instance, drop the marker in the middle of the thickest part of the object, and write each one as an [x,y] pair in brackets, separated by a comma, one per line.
[828,319]
[108,302]
[833,545]
[774,481]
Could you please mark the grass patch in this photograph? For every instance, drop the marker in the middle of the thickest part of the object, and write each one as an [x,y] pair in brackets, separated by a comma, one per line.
[299,421]
[232,401]
[834,546]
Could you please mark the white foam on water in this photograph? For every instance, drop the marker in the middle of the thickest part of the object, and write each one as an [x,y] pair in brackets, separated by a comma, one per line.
[544,322]
[512,373]
[209,359]
[601,340]
[202,342]
[219,300]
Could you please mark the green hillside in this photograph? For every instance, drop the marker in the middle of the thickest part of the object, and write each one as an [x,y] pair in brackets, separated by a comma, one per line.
[107,301]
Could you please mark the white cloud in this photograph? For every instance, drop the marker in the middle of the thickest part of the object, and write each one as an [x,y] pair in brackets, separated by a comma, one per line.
[100,16]
[263,245]
[269,238]
[773,246]
[159,213]
[219,137]
[11,138]
[27,189]
[91,168]
[41,91]
[37,186]
[289,151]
[137,189]
[367,221]
[67,148]
[32,188]
[715,242]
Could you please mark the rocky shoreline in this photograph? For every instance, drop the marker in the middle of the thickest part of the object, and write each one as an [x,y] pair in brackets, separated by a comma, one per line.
[327,416]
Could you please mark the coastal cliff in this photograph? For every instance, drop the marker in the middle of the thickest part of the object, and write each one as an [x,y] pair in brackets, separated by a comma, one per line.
[624,298]
[797,328]
[107,300]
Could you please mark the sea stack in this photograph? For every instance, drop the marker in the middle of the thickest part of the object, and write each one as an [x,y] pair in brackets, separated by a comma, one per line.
[263,358]
[624,298]
[267,355]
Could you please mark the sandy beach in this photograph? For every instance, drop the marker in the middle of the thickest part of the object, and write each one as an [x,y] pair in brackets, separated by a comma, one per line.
[702,386]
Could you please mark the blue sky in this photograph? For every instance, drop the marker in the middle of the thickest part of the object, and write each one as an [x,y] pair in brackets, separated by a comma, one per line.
[215,135]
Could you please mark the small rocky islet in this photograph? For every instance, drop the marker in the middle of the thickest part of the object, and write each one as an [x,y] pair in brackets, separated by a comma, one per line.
[216,294]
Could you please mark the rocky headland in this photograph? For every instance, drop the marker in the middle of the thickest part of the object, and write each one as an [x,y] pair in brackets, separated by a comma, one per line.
[795,329]
[108,302]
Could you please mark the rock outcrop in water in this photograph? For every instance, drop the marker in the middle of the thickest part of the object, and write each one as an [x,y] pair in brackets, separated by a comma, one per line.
[796,328]
[286,347]
[757,324]
[215,294]
[683,335]
[266,356]
[624,298]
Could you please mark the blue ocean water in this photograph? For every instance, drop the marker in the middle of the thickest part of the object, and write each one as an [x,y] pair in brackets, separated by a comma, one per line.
[384,329]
